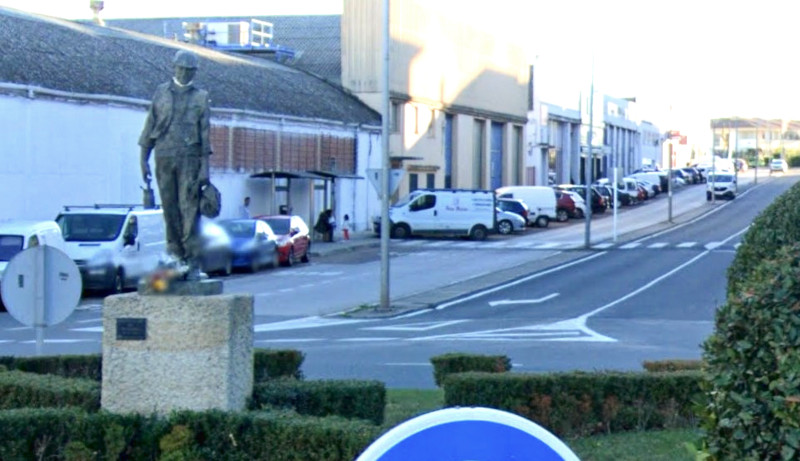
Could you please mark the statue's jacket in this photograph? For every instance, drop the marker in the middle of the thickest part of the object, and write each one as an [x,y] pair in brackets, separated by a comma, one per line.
[178,121]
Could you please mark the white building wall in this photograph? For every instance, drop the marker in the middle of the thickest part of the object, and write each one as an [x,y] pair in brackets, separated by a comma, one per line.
[58,152]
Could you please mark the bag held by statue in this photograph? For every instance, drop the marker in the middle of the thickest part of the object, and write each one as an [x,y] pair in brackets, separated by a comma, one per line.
[210,200]
[148,197]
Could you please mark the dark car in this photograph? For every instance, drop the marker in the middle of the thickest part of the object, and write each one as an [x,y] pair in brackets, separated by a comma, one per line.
[253,243]
[515,206]
[599,203]
[294,241]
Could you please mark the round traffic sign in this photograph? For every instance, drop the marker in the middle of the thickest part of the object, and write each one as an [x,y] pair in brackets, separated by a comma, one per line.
[475,433]
[41,286]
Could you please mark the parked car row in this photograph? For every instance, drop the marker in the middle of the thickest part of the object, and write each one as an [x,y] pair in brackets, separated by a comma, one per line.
[115,245]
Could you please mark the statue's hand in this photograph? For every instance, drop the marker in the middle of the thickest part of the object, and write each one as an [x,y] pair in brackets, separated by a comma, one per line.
[147,176]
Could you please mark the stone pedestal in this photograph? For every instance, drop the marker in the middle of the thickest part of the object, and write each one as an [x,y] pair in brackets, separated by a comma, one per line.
[165,353]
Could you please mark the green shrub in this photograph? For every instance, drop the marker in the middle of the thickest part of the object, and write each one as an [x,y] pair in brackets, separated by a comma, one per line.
[775,227]
[214,435]
[19,390]
[273,364]
[447,364]
[753,371]
[656,366]
[346,398]
[267,364]
[68,366]
[576,404]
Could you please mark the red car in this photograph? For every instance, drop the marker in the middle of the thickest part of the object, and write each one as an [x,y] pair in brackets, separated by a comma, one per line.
[294,241]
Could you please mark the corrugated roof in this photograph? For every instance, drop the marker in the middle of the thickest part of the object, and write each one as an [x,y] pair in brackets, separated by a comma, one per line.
[316,39]
[85,58]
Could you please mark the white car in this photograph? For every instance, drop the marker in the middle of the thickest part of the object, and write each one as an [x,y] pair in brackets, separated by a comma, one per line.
[778,165]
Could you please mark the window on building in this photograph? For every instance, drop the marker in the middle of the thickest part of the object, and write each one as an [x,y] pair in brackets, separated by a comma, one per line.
[395,117]
[413,182]
[430,180]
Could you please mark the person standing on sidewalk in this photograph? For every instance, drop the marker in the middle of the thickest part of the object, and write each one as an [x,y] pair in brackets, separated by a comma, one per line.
[346,227]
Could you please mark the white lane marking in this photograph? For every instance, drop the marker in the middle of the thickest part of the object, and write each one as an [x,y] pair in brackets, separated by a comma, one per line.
[305,322]
[290,340]
[658,245]
[686,244]
[630,246]
[99,319]
[418,326]
[523,301]
[565,330]
[368,339]
[88,329]
[603,246]
[6,341]
[712,245]
[548,245]
[86,307]
[307,272]
[510,284]
[62,341]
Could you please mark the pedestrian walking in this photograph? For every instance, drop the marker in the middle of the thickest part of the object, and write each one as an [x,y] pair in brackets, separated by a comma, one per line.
[346,227]
[244,209]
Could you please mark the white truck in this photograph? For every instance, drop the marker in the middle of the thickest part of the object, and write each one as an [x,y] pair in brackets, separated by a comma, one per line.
[458,212]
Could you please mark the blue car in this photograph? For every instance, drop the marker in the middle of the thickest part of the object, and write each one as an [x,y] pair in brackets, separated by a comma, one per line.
[253,243]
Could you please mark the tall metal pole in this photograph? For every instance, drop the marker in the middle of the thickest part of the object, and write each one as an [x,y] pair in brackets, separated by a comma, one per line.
[590,166]
[669,182]
[755,178]
[385,192]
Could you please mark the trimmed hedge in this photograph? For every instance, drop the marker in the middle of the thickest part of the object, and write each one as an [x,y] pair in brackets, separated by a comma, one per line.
[20,390]
[267,364]
[447,364]
[656,366]
[346,398]
[74,434]
[775,227]
[69,366]
[277,363]
[578,404]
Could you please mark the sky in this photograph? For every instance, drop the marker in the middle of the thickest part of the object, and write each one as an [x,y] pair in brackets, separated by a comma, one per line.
[685,61]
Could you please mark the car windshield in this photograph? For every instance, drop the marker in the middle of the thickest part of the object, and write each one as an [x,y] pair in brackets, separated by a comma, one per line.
[279,225]
[90,227]
[408,198]
[239,229]
[721,178]
[10,245]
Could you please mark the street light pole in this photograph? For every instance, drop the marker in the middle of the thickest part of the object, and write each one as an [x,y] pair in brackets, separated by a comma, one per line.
[590,166]
[385,192]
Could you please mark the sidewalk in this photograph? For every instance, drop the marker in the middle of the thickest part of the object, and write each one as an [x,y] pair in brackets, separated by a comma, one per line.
[362,239]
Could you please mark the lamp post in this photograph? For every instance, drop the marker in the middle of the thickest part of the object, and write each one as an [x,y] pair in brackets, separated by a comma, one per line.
[385,192]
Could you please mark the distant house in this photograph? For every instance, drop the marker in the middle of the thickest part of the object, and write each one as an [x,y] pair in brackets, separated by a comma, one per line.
[72,104]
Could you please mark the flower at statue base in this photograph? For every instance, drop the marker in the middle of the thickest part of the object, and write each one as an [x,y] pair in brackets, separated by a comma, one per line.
[160,279]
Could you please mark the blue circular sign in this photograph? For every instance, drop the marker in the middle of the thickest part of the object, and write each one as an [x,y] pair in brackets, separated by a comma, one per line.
[468,434]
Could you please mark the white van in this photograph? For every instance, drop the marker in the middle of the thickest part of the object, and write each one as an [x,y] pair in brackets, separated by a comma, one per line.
[722,184]
[541,201]
[16,236]
[113,245]
[460,212]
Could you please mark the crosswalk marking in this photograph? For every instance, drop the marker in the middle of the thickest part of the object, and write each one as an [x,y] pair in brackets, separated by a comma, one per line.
[558,246]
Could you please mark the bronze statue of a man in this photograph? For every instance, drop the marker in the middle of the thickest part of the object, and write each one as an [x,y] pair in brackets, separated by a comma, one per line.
[177,128]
